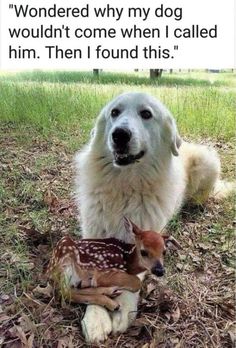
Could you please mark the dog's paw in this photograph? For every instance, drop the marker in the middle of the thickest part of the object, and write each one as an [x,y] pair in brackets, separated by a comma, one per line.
[96,324]
[123,318]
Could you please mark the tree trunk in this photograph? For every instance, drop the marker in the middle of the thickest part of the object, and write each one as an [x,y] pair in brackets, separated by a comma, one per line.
[155,73]
[96,72]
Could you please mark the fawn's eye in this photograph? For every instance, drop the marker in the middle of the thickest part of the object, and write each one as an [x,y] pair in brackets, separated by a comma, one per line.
[145,114]
[115,112]
[144,253]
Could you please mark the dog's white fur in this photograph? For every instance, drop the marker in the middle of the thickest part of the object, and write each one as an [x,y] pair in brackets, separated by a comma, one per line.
[149,192]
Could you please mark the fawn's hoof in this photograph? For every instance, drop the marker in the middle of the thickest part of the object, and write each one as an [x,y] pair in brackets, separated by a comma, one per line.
[116,292]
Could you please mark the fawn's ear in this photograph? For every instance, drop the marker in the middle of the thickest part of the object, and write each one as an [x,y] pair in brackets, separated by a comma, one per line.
[130,226]
[171,242]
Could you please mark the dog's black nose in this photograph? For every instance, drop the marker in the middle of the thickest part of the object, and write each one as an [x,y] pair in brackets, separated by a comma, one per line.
[159,272]
[121,137]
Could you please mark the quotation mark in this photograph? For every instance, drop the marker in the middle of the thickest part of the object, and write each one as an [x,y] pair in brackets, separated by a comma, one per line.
[11,6]
[176,47]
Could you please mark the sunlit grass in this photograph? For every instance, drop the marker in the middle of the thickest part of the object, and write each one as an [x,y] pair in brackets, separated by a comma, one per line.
[44,118]
[201,108]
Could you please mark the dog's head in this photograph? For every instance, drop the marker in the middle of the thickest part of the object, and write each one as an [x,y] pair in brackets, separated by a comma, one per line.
[136,125]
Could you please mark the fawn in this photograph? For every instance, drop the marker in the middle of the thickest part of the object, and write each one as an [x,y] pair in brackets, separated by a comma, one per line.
[96,270]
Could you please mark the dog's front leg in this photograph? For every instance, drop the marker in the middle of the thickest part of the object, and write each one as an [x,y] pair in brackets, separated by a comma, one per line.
[96,324]
[123,318]
[128,302]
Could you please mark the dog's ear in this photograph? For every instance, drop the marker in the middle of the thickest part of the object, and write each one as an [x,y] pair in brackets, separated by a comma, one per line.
[92,132]
[173,135]
[171,242]
[175,145]
[97,132]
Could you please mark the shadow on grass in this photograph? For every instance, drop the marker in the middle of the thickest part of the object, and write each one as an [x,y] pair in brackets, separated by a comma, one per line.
[109,78]
[191,212]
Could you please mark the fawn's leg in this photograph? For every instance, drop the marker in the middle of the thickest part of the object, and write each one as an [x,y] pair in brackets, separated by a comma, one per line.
[119,279]
[92,298]
[111,291]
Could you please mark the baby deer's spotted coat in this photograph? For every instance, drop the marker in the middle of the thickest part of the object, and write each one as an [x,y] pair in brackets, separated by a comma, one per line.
[93,253]
[94,270]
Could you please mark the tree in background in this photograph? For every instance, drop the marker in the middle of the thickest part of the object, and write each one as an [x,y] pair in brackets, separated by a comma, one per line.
[95,72]
[155,73]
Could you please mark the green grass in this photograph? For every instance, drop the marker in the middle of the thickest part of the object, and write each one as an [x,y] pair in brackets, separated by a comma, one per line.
[44,118]
[68,102]
[193,78]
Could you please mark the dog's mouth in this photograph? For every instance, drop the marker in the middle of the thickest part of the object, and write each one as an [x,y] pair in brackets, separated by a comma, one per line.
[125,159]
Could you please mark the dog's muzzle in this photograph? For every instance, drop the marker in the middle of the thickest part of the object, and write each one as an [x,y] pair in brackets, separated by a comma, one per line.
[126,159]
[121,137]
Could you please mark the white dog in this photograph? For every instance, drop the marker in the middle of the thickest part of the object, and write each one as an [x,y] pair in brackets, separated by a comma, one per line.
[135,165]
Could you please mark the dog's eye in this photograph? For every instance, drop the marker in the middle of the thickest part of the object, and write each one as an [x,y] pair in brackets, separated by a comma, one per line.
[115,112]
[145,114]
[144,253]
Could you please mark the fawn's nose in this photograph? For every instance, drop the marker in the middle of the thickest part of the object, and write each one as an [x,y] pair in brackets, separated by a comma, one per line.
[158,270]
[121,137]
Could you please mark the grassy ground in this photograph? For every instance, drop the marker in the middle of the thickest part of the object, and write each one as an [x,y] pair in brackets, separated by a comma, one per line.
[45,118]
